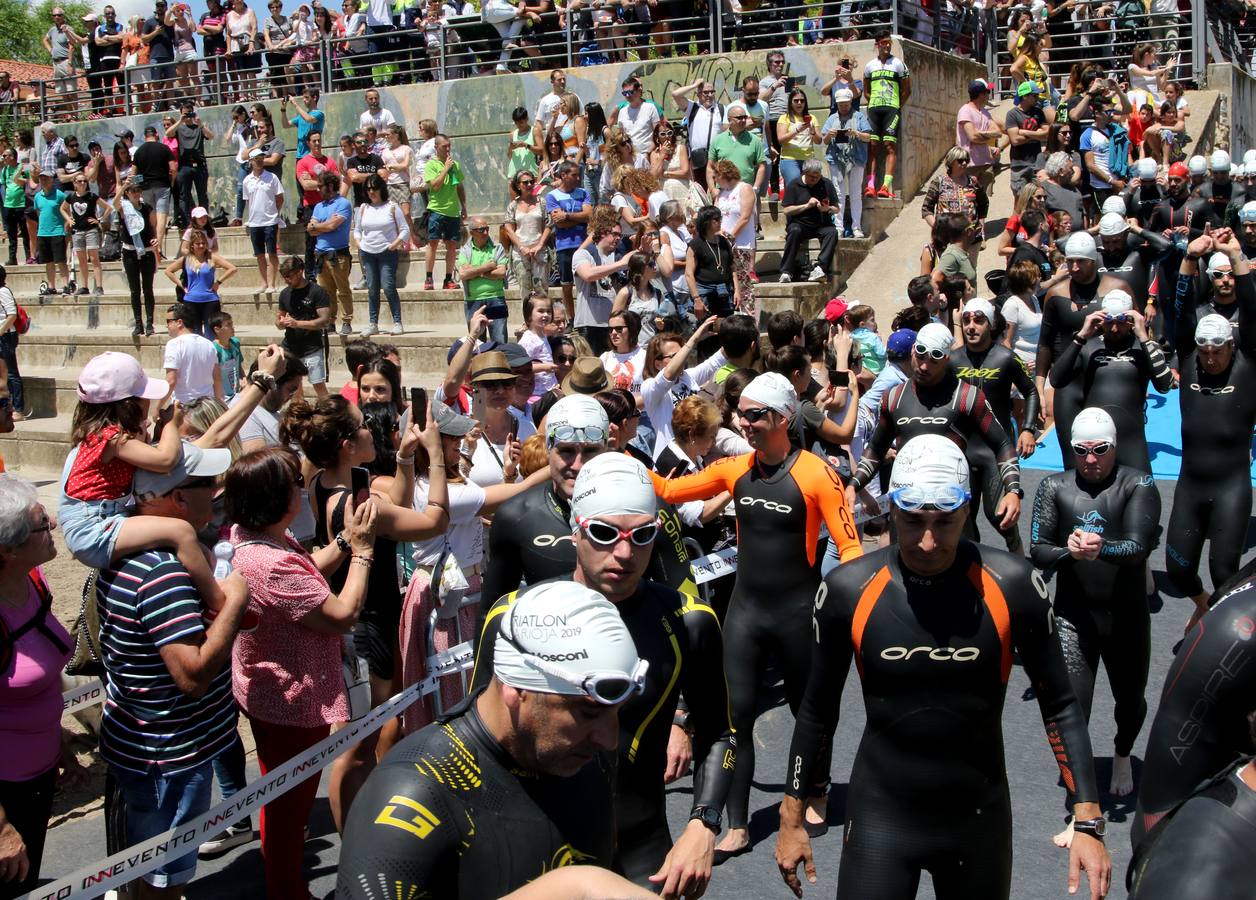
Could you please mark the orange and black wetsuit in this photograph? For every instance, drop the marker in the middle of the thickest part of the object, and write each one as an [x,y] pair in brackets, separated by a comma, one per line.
[929,786]
[779,511]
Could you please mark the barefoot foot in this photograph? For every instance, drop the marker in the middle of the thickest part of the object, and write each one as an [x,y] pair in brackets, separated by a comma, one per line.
[1122,784]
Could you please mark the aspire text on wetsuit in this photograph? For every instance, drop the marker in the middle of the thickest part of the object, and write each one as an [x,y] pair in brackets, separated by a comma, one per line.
[1100,604]
[779,511]
[929,785]
[680,638]
[449,814]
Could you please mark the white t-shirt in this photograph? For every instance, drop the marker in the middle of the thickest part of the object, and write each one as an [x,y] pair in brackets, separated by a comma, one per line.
[704,125]
[195,359]
[465,535]
[260,193]
[593,299]
[1028,322]
[545,108]
[639,124]
[624,201]
[488,458]
[262,424]
[729,203]
[679,241]
[655,202]
[539,349]
[378,12]
[625,369]
[660,396]
[380,120]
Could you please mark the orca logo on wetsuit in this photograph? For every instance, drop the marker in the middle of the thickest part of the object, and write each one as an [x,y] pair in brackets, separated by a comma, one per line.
[1208,391]
[939,654]
[923,420]
[549,540]
[769,505]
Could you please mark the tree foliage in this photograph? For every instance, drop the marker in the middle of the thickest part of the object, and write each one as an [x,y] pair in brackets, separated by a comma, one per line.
[25,25]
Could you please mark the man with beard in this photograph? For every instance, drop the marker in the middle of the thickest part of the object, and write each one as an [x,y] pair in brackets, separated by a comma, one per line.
[1179,217]
[1247,229]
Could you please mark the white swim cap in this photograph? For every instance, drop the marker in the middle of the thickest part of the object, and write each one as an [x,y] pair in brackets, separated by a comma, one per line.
[1219,262]
[980,305]
[558,634]
[1214,327]
[1112,224]
[936,336]
[1197,165]
[1116,303]
[576,419]
[1146,169]
[773,390]
[1114,204]
[1093,424]
[1249,156]
[1080,245]
[1219,161]
[612,484]
[929,470]
[1248,212]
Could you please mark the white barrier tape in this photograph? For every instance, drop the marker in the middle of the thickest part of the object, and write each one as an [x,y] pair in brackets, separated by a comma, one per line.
[717,565]
[82,697]
[135,862]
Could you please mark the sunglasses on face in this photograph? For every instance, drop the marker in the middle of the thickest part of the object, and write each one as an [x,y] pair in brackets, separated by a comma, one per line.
[605,534]
[935,355]
[755,414]
[978,317]
[480,229]
[503,385]
[739,118]
[1099,449]
[568,360]
[619,328]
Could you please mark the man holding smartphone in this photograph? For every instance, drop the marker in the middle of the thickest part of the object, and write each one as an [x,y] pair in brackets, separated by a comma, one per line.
[193,169]
[482,270]
[808,204]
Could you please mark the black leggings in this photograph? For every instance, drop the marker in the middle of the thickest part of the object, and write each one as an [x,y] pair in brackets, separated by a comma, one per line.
[966,846]
[1216,510]
[751,635]
[138,271]
[15,228]
[984,471]
[1119,634]
[28,805]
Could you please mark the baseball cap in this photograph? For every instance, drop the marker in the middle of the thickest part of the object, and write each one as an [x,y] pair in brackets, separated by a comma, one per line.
[1093,424]
[114,376]
[929,470]
[1113,224]
[1116,303]
[977,87]
[591,655]
[900,343]
[980,305]
[576,419]
[194,462]
[773,390]
[124,134]
[935,336]
[1219,262]
[90,17]
[1080,245]
[835,309]
[1146,169]
[516,356]
[256,152]
[199,211]
[150,129]
[1178,170]
[1247,213]
[1028,88]
[1219,161]
[450,423]
[612,484]
[844,96]
[1214,327]
[1197,165]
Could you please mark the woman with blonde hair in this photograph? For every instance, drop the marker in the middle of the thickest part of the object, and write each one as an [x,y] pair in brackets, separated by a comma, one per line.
[396,158]
[573,130]
[617,151]
[1031,196]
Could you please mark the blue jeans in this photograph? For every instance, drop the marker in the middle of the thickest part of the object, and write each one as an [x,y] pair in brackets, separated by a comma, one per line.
[156,802]
[496,327]
[230,772]
[240,173]
[791,170]
[380,270]
[591,181]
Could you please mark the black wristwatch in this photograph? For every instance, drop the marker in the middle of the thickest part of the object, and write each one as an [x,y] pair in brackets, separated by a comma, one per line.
[342,543]
[708,816]
[1096,827]
[1018,491]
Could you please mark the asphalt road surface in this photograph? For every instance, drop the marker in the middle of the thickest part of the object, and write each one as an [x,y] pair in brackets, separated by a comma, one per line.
[1040,869]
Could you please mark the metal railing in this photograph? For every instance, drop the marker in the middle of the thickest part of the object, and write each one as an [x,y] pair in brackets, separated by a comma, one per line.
[1231,34]
[588,32]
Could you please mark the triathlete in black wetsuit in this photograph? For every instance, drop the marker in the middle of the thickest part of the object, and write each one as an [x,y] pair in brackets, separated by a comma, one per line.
[1064,309]
[781,495]
[1217,392]
[1114,359]
[1247,228]
[1180,218]
[511,784]
[995,370]
[1141,199]
[935,401]
[1201,725]
[932,624]
[677,636]
[1129,255]
[1093,529]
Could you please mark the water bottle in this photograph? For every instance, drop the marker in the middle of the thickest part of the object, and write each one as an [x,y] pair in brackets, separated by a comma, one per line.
[223,553]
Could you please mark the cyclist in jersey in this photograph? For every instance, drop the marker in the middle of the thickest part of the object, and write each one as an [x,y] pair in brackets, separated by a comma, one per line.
[935,401]
[781,494]
[887,84]
[511,784]
[614,517]
[1114,359]
[531,536]
[995,370]
[1217,392]
[1093,529]
[932,624]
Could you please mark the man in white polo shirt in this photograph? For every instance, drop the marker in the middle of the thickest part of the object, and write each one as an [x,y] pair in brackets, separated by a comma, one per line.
[263,196]
[190,360]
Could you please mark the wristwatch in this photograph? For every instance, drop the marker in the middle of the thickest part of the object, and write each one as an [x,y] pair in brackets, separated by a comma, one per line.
[1096,827]
[1018,491]
[708,816]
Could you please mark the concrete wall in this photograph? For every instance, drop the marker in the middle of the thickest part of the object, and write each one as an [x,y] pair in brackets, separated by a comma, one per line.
[475,112]
[1237,130]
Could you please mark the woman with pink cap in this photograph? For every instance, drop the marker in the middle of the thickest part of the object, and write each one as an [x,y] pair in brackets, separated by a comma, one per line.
[199,221]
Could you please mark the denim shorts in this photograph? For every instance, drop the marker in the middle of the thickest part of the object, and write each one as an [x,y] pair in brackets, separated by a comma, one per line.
[565,273]
[90,529]
[316,367]
[264,237]
[155,803]
[443,228]
[158,197]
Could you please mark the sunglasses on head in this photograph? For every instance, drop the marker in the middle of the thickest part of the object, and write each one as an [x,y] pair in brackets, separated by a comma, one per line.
[755,414]
[1099,449]
[935,355]
[605,534]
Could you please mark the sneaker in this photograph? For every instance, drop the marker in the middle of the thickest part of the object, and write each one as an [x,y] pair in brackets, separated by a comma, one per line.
[233,837]
[784,279]
[345,330]
[149,330]
[509,45]
[83,291]
[44,289]
[370,329]
[817,274]
[359,285]
[30,260]
[870,191]
[137,330]
[397,328]
[98,291]
[858,234]
[501,70]
[68,289]
[428,284]
[886,192]
[449,284]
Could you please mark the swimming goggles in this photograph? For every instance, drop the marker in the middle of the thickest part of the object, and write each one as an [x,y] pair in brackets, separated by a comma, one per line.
[606,688]
[944,498]
[604,534]
[570,434]
[935,355]
[1100,449]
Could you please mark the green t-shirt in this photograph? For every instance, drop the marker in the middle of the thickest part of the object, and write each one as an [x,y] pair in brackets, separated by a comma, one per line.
[521,158]
[14,194]
[483,288]
[445,200]
[51,224]
[745,152]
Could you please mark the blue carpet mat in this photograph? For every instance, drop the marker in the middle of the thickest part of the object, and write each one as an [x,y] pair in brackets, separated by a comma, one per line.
[1164,440]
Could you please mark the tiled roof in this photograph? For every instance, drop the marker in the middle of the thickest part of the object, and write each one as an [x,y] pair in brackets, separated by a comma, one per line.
[27,74]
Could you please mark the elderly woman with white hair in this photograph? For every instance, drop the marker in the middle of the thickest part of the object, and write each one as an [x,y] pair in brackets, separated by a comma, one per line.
[845,135]
[34,647]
